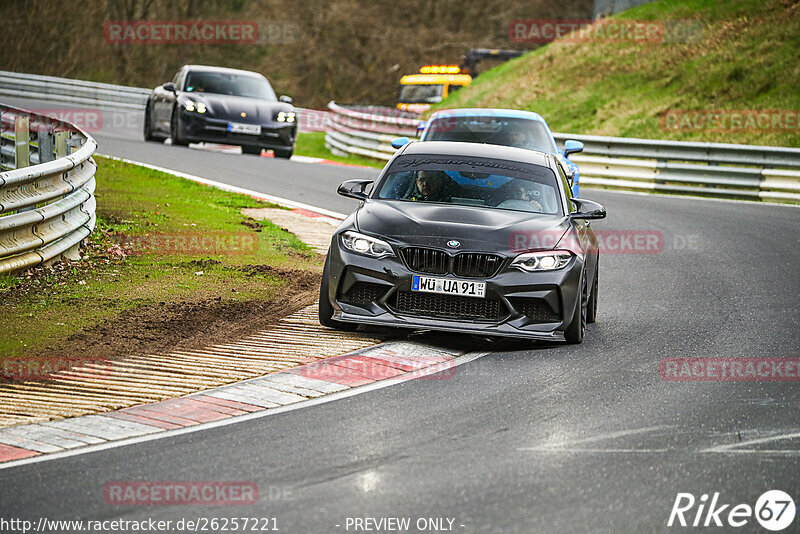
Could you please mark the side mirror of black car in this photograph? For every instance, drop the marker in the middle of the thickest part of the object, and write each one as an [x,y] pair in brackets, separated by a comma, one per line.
[354,189]
[169,86]
[285,99]
[587,209]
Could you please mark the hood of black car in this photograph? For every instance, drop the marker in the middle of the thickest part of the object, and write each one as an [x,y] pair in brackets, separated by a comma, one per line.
[231,107]
[475,228]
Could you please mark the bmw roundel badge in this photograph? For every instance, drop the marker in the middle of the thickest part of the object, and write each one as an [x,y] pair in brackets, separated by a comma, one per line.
[453,244]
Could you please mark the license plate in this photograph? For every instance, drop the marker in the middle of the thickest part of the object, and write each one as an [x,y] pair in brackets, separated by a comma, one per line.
[253,129]
[464,288]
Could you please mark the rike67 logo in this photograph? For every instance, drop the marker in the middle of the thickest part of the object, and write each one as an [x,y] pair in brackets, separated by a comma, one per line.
[774,511]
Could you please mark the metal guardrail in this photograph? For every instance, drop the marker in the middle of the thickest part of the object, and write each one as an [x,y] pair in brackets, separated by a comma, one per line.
[366,133]
[47,204]
[676,167]
[65,90]
[709,153]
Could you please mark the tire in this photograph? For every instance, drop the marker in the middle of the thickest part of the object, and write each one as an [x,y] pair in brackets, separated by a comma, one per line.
[252,150]
[325,307]
[573,335]
[591,309]
[285,154]
[148,130]
[174,129]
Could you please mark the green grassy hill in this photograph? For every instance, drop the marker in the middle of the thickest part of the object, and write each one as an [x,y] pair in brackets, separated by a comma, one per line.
[731,55]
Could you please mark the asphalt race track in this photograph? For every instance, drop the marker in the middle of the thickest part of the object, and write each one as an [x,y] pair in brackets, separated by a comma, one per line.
[530,438]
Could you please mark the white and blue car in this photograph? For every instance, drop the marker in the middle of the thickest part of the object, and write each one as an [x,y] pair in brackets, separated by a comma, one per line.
[507,127]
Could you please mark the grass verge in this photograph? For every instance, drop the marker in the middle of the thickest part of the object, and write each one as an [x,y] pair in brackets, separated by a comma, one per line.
[313,144]
[166,254]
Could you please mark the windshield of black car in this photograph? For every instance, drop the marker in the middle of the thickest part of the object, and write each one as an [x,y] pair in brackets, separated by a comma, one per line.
[415,94]
[467,181]
[506,131]
[221,83]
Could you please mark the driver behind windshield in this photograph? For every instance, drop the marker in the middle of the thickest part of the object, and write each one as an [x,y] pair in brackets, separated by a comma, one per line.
[518,137]
[517,191]
[431,186]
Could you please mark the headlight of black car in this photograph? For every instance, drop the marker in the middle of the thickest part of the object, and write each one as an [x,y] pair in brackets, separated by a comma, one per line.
[191,105]
[285,116]
[366,245]
[548,260]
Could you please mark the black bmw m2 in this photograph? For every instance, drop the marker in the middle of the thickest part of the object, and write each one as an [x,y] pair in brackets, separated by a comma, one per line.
[465,237]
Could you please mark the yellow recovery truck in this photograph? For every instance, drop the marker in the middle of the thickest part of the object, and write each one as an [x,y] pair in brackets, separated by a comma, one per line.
[434,82]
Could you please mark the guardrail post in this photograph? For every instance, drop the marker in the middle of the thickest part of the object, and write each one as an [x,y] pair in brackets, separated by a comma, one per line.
[61,143]
[73,253]
[46,143]
[74,142]
[22,142]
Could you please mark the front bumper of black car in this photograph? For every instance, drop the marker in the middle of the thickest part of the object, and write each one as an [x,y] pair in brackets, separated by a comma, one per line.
[197,127]
[537,305]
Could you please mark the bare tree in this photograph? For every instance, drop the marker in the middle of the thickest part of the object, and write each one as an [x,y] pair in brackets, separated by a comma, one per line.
[348,50]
